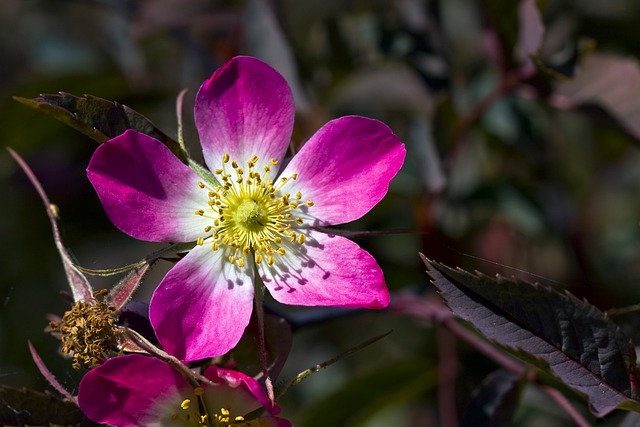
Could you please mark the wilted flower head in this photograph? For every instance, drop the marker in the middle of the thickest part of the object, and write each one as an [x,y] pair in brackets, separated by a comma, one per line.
[88,331]
[253,215]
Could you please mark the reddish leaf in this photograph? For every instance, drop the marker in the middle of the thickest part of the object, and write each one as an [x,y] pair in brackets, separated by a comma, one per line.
[609,81]
[573,339]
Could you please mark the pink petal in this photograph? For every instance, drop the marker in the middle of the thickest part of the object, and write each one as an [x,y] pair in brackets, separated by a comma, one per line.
[246,108]
[326,270]
[203,305]
[146,191]
[126,391]
[345,168]
[243,394]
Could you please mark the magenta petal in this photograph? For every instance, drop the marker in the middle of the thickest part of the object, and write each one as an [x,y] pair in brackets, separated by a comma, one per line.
[346,167]
[145,189]
[126,391]
[244,394]
[203,304]
[326,270]
[246,108]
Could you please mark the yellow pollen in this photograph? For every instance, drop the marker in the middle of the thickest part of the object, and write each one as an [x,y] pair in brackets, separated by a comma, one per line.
[250,213]
[185,404]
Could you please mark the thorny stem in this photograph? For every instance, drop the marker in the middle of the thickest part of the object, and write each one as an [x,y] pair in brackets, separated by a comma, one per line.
[262,348]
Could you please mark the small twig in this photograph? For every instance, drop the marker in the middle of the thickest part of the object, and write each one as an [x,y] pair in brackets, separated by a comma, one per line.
[566,405]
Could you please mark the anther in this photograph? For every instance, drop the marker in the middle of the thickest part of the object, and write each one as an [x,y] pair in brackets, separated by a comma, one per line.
[185,404]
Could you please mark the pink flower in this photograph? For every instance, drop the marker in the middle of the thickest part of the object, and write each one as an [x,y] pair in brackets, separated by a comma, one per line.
[252,216]
[141,391]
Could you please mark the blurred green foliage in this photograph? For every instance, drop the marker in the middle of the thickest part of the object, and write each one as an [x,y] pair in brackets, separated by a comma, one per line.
[503,181]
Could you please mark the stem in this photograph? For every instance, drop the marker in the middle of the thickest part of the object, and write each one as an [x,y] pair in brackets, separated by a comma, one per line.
[447,372]
[262,348]
[80,286]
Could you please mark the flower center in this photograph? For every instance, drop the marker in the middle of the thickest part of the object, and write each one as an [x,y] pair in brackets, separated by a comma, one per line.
[196,414]
[251,214]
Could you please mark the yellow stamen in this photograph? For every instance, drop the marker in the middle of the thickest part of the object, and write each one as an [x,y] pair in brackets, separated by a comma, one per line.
[250,213]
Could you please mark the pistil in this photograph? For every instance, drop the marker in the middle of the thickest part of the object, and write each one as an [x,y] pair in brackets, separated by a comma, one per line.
[250,213]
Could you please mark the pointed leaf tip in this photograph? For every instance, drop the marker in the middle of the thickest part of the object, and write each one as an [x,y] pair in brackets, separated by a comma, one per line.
[574,340]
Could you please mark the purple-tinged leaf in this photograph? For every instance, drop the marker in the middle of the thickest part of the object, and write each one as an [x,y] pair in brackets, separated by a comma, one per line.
[608,81]
[80,287]
[493,402]
[97,118]
[574,340]
[23,407]
[530,33]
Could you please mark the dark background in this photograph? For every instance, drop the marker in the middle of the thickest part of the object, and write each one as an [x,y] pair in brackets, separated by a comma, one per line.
[500,180]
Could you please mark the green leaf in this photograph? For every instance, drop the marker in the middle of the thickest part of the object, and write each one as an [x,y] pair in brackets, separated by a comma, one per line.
[23,407]
[493,402]
[97,118]
[574,340]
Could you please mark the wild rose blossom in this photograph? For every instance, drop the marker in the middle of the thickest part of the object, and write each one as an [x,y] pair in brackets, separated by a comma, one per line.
[141,391]
[257,217]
